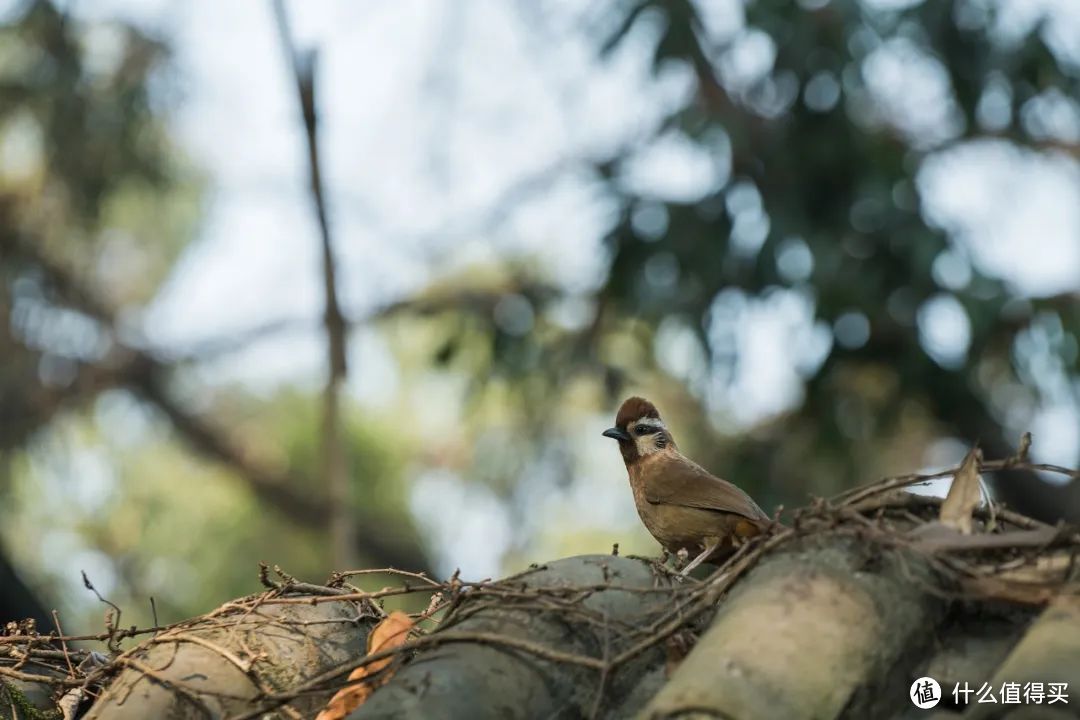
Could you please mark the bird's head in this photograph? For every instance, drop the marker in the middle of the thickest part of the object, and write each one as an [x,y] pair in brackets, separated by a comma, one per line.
[639,430]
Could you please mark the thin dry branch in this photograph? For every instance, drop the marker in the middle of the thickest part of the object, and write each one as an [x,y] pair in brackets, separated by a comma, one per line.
[862,492]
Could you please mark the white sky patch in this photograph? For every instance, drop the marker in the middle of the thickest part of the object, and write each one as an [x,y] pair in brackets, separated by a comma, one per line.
[96,479]
[1017,212]
[1015,19]
[942,454]
[70,561]
[772,342]
[468,525]
[375,380]
[675,168]
[602,495]
[560,230]
[936,488]
[944,330]
[891,5]
[1052,115]
[262,364]
[1056,438]
[721,19]
[912,92]
[256,262]
[748,60]
[680,353]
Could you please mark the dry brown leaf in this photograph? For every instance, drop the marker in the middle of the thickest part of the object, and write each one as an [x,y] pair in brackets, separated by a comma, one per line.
[391,632]
[964,495]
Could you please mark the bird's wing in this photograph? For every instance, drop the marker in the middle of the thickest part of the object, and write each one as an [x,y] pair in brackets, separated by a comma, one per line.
[691,485]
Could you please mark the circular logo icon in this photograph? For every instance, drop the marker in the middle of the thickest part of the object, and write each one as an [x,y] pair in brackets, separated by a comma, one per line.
[925,693]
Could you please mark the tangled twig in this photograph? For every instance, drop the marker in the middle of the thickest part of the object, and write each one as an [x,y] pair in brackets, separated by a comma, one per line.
[1007,557]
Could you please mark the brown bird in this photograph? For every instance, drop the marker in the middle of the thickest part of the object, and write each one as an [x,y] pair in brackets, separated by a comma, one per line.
[682,505]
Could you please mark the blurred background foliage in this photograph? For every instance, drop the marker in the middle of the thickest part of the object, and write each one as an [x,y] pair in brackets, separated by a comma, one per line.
[771,264]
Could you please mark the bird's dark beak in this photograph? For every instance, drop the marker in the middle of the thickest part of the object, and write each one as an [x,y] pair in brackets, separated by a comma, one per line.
[616,434]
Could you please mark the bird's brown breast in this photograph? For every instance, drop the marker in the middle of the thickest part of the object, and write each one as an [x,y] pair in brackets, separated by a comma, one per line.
[683,506]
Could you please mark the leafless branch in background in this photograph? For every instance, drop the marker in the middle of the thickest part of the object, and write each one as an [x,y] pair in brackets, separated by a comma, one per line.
[146,374]
[335,462]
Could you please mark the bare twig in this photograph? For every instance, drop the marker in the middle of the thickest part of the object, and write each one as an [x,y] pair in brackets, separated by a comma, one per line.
[112,622]
[856,494]
[243,666]
[63,643]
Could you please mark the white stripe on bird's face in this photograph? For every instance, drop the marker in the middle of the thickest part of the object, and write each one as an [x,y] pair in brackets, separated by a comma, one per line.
[644,431]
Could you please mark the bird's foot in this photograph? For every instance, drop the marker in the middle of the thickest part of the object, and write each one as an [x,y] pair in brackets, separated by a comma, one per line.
[660,563]
[710,548]
[681,558]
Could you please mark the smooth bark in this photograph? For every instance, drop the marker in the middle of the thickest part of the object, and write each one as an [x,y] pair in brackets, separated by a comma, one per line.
[480,680]
[816,631]
[220,665]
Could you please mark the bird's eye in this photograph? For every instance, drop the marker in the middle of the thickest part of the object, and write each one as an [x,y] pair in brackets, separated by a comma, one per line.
[642,429]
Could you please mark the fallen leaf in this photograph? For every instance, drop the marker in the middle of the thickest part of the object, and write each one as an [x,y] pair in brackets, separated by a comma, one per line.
[965,494]
[391,632]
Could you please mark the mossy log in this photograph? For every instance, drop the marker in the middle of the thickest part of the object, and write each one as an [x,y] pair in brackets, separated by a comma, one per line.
[26,699]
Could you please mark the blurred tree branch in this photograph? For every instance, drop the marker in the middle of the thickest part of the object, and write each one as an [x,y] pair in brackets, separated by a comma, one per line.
[335,461]
[469,301]
[145,374]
